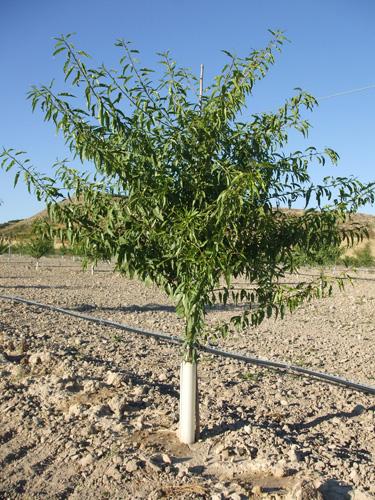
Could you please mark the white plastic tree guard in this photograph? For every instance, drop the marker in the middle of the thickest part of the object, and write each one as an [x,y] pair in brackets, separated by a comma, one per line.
[189,420]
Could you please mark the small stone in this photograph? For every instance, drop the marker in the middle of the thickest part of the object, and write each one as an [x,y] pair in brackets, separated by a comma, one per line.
[166,458]
[138,424]
[117,460]
[294,454]
[87,460]
[182,470]
[75,410]
[113,473]
[89,387]
[117,405]
[131,466]
[235,496]
[113,379]
[320,465]
[139,391]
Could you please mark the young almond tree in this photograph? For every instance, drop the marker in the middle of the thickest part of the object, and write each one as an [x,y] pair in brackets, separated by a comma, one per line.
[39,244]
[89,255]
[187,191]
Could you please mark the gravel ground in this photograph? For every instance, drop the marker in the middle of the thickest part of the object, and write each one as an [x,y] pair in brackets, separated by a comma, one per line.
[88,411]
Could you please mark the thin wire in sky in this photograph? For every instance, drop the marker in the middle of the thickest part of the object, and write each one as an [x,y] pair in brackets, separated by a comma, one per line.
[346,92]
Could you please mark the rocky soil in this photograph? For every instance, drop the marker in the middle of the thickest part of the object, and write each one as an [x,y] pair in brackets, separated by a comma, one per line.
[89,411]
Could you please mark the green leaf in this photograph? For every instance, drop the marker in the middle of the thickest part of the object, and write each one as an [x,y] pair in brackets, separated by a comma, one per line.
[57,51]
[16,177]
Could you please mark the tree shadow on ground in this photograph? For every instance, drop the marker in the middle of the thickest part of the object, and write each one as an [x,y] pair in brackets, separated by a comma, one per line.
[358,410]
[235,422]
[130,376]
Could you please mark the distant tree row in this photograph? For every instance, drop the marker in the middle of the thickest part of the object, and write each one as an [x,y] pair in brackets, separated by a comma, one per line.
[39,245]
[331,255]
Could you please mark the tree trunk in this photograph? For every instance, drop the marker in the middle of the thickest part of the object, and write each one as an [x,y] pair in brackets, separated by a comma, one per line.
[189,403]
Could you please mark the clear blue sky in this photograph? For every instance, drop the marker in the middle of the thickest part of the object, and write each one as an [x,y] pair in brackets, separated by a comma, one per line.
[332,49]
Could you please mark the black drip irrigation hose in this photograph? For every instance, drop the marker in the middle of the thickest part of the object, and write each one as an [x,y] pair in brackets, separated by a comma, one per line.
[352,278]
[330,379]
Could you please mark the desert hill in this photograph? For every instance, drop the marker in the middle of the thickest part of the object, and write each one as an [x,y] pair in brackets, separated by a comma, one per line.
[20,229]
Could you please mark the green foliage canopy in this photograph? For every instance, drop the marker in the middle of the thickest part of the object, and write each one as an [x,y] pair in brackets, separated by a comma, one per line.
[40,244]
[187,190]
